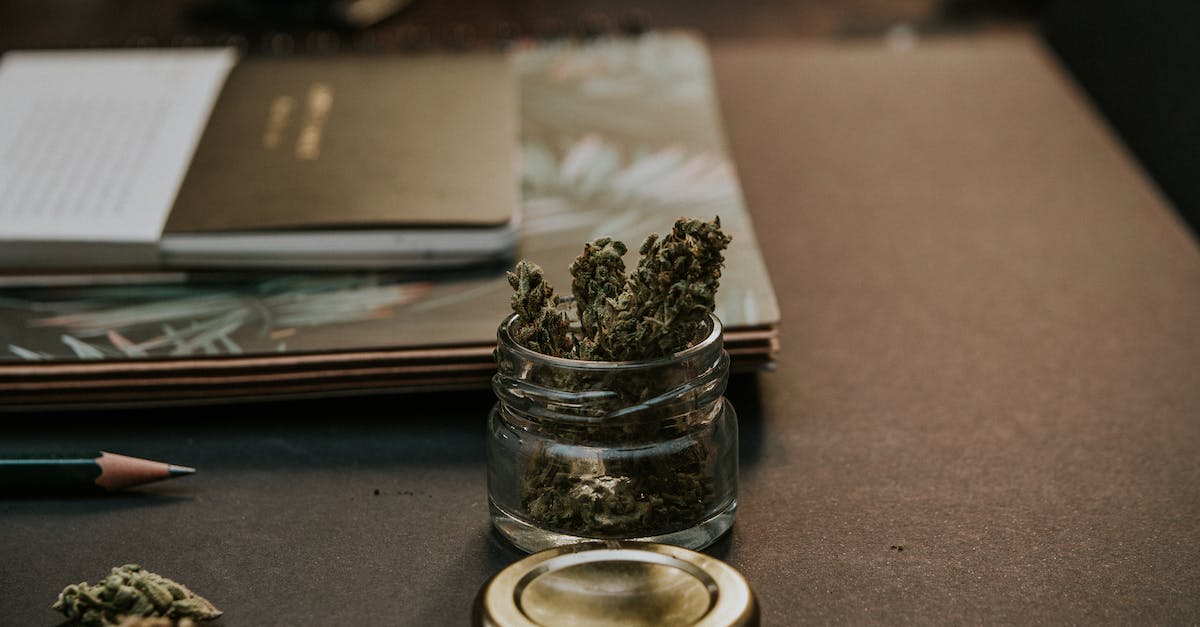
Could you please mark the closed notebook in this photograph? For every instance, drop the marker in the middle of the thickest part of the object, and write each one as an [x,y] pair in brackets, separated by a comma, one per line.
[340,161]
[354,160]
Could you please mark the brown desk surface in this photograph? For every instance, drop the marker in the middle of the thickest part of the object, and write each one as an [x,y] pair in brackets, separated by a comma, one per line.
[990,357]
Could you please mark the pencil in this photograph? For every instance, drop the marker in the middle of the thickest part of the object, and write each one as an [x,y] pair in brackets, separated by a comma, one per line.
[83,472]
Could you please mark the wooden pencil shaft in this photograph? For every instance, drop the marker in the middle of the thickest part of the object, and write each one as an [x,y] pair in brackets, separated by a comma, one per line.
[40,473]
[37,474]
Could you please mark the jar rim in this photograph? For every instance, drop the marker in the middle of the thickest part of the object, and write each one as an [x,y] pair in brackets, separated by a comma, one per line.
[714,335]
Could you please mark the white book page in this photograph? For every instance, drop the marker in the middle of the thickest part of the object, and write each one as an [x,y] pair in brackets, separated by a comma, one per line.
[94,144]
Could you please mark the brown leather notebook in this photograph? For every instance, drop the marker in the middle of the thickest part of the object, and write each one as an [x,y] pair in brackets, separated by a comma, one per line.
[380,160]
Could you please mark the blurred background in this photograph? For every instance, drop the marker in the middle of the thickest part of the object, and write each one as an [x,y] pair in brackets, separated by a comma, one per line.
[25,23]
[1136,60]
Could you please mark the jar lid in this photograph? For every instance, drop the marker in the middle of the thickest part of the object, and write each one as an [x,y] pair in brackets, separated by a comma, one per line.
[616,583]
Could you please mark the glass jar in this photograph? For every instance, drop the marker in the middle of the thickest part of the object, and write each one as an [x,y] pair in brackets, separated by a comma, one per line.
[633,450]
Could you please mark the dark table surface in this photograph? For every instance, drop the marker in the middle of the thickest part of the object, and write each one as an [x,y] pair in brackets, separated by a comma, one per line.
[986,407]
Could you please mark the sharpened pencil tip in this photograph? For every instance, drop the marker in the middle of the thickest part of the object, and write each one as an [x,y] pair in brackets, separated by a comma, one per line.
[177,471]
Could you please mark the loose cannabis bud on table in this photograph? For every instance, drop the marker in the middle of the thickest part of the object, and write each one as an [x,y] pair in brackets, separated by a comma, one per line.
[155,621]
[659,309]
[130,593]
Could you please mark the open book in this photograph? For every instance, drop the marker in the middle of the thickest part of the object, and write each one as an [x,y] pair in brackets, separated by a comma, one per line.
[199,158]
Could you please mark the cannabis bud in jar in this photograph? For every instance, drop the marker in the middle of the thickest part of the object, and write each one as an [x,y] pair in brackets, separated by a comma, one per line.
[610,419]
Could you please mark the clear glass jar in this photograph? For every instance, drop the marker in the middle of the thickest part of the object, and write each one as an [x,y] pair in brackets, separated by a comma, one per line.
[635,450]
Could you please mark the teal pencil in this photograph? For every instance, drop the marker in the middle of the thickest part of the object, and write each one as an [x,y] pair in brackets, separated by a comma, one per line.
[99,471]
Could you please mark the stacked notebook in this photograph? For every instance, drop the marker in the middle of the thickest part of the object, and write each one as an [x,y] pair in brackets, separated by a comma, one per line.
[617,137]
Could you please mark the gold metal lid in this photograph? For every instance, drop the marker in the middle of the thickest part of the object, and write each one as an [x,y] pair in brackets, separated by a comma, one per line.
[616,583]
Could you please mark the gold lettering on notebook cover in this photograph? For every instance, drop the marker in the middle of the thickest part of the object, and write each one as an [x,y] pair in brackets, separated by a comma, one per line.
[320,102]
[277,119]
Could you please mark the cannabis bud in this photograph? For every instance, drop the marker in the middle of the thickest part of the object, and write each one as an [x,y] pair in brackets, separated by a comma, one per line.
[155,621]
[542,327]
[658,310]
[128,595]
